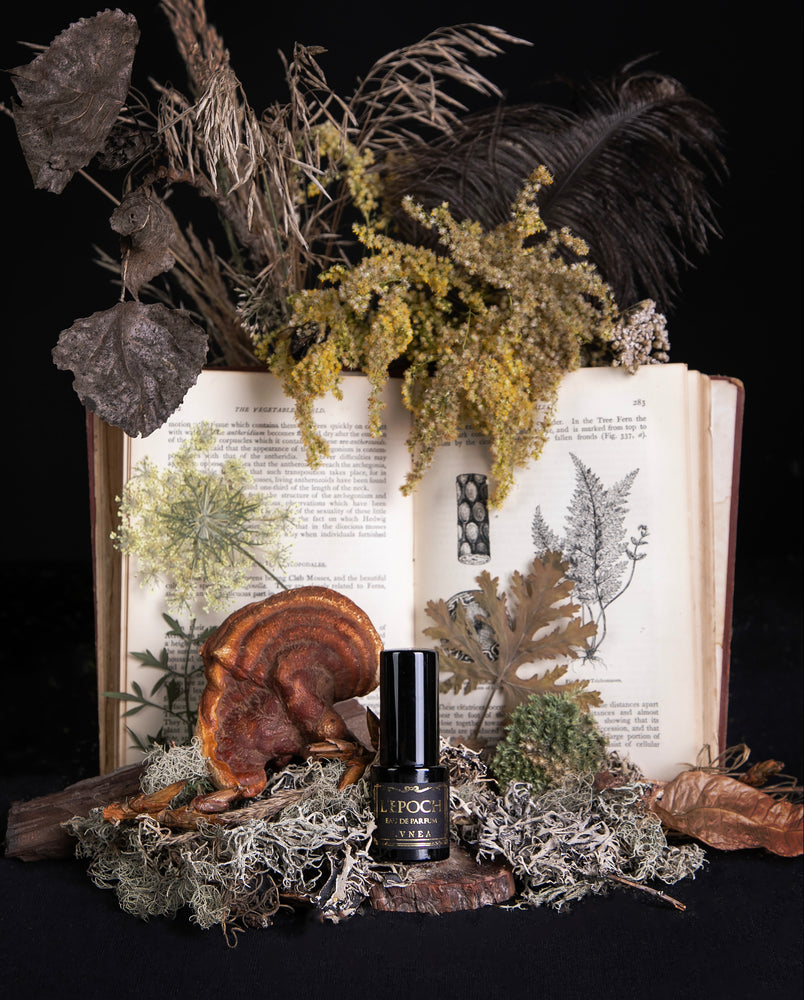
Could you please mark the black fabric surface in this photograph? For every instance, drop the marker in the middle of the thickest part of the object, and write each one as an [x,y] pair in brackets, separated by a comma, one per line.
[739,314]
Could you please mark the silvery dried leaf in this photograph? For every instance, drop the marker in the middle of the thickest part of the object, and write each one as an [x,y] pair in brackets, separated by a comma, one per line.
[71,95]
[133,363]
[146,232]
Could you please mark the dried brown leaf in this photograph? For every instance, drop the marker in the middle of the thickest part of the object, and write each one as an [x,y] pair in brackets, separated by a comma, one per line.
[729,814]
[146,234]
[758,774]
[133,363]
[71,95]
[540,624]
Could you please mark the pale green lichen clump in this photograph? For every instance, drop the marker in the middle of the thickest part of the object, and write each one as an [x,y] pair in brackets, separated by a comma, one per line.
[198,528]
[233,875]
[572,840]
[486,327]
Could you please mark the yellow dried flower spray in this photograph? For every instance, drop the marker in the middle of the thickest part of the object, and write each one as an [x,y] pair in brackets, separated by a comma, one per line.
[487,325]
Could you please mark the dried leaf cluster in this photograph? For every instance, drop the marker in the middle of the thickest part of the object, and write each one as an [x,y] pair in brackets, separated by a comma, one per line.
[179,683]
[72,94]
[287,182]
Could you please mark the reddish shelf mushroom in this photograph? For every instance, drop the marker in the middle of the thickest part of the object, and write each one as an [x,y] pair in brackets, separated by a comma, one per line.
[274,671]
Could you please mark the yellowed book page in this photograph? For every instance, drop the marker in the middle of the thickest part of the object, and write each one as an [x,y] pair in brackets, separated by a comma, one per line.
[724,400]
[620,443]
[353,529]
[701,508]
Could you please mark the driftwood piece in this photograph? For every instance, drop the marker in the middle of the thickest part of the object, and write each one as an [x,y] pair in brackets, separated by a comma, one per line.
[457,883]
[34,827]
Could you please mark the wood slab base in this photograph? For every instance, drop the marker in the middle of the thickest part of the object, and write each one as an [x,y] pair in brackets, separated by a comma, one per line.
[457,883]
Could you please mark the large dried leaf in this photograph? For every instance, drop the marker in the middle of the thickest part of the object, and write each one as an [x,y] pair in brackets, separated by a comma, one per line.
[71,95]
[146,233]
[729,814]
[133,363]
[540,625]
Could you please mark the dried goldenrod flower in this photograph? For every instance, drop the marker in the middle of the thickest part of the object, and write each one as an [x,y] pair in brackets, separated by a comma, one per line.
[352,165]
[487,327]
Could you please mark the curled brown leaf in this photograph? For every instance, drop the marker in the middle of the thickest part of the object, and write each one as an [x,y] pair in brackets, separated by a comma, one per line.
[758,774]
[146,233]
[729,814]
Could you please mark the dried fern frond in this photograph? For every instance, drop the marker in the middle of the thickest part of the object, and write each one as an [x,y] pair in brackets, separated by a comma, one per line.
[630,170]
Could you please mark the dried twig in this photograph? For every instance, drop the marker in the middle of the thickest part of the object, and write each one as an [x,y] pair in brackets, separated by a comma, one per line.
[656,893]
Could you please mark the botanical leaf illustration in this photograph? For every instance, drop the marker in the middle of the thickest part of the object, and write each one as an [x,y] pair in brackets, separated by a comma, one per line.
[540,624]
[146,233]
[179,683]
[133,363]
[729,814]
[71,95]
[596,545]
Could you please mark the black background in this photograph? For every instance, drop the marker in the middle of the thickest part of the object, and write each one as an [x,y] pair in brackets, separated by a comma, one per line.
[739,315]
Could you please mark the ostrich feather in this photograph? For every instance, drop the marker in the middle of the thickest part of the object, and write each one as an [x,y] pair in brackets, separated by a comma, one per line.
[631,170]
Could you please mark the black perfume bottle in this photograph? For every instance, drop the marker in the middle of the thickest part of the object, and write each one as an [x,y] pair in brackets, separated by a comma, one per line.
[411,789]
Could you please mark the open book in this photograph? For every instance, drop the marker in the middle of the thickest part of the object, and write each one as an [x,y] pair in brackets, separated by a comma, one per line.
[646,464]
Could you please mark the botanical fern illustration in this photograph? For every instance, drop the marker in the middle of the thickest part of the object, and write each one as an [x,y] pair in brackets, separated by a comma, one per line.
[601,557]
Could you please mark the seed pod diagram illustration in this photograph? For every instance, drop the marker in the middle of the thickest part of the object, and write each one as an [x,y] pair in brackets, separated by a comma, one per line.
[472,495]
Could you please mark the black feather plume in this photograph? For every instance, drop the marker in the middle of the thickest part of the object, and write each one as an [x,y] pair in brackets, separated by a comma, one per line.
[630,169]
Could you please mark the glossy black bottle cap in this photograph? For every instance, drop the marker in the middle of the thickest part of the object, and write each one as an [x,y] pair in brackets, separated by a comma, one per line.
[409,708]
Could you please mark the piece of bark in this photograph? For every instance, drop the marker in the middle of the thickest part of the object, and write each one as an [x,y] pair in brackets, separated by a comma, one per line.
[34,827]
[356,718]
[457,883]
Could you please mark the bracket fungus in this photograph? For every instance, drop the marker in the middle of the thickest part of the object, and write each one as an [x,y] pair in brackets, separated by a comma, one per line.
[274,670]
